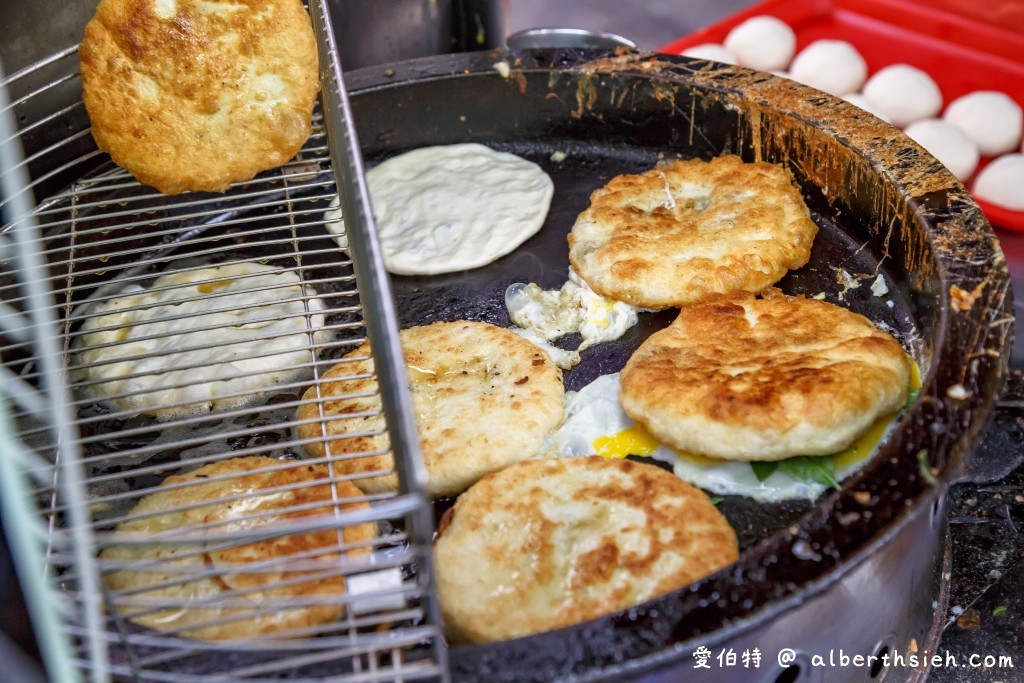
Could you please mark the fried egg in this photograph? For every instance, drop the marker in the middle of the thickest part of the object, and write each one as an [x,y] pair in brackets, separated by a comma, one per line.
[543,316]
[595,423]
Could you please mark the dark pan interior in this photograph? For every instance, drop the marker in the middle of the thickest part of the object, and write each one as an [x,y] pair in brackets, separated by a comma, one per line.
[479,294]
[883,206]
[581,158]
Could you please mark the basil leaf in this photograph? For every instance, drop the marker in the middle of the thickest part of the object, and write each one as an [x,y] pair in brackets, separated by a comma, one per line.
[912,395]
[821,469]
[763,470]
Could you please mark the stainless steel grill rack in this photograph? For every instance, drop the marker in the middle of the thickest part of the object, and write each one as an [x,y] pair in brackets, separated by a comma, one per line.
[78,235]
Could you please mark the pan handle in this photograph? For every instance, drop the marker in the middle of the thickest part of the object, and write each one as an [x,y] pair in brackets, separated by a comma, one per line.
[557,38]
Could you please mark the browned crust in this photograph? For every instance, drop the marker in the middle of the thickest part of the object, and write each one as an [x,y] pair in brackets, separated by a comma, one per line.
[183,508]
[199,100]
[728,226]
[764,379]
[549,543]
[484,398]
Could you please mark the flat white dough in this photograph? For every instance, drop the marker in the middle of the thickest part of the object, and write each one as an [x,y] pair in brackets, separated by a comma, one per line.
[904,93]
[1002,182]
[990,118]
[762,42]
[450,208]
[948,144]
[834,66]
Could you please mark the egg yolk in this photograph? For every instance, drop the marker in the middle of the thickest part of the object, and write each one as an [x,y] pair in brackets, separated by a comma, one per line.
[867,442]
[864,445]
[633,441]
[638,441]
[915,375]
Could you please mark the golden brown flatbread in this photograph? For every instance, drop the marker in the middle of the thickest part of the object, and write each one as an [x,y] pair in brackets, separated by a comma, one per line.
[233,496]
[683,232]
[194,95]
[544,544]
[743,378]
[484,398]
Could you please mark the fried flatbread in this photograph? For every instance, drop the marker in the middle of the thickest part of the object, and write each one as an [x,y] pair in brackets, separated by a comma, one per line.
[743,378]
[484,398]
[229,497]
[548,543]
[681,233]
[193,95]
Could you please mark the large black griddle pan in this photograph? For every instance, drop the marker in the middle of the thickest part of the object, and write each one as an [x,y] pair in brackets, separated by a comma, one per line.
[883,206]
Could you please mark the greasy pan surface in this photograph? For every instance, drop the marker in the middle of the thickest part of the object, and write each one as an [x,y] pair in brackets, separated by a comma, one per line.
[883,205]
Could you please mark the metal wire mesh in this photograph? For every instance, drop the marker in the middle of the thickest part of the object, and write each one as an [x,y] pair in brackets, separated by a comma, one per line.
[224,527]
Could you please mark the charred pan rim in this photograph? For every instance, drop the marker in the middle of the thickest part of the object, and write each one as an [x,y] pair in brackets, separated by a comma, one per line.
[972,333]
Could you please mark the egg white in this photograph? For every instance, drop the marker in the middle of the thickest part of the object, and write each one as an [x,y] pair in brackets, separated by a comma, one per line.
[596,423]
[543,316]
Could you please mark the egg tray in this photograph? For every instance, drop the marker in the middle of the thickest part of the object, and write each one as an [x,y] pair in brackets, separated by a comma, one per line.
[964,46]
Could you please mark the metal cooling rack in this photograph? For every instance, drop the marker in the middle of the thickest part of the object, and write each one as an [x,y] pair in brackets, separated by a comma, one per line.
[77,231]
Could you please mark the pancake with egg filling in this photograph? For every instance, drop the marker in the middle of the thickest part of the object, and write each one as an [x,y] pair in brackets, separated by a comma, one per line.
[192,95]
[686,231]
[483,396]
[548,543]
[214,596]
[743,378]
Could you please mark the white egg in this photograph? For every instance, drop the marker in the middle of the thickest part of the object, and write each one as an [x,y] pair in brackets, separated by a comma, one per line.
[563,358]
[1002,182]
[948,144]
[762,42]
[904,93]
[591,413]
[834,66]
[596,423]
[990,118]
[714,52]
[575,308]
[858,100]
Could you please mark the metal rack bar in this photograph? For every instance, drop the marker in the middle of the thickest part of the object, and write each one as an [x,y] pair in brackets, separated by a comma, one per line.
[383,329]
[41,594]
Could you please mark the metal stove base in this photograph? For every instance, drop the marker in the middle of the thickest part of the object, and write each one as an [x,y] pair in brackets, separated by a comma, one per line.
[886,605]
